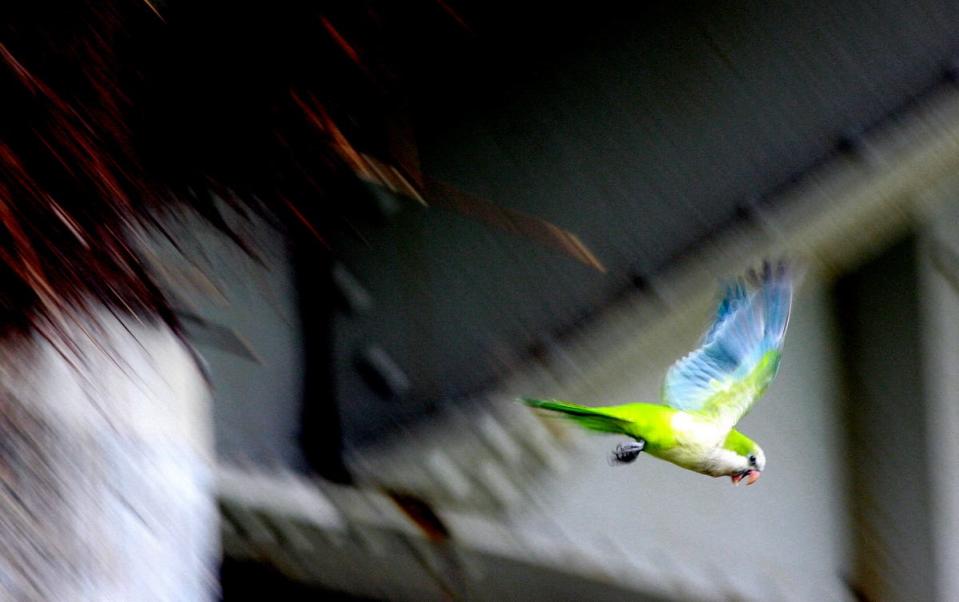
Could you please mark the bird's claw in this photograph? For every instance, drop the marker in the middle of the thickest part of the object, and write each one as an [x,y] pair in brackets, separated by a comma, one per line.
[626,452]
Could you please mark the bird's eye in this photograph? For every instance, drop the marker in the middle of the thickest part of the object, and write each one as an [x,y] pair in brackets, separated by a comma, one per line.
[752,459]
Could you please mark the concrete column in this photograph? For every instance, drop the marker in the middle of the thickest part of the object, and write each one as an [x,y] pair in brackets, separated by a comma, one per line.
[939,279]
[890,463]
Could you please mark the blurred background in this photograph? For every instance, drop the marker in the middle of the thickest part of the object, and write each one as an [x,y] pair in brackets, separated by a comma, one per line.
[369,445]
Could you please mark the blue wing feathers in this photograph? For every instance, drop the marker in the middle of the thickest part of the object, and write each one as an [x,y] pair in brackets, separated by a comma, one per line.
[733,299]
[777,292]
[751,319]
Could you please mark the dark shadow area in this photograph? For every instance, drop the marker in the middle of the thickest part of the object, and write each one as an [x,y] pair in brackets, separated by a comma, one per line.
[248,580]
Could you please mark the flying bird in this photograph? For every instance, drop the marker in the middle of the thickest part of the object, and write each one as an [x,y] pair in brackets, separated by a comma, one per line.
[708,391]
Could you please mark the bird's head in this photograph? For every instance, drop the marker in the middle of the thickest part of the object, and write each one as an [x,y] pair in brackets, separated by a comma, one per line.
[749,466]
[745,460]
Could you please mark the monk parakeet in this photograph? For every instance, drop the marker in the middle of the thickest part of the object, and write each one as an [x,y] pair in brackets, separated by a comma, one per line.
[708,391]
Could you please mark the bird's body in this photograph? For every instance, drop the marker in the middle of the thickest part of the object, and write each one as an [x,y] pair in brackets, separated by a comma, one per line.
[708,391]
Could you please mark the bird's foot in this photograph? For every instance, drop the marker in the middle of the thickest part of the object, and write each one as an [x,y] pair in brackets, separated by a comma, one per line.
[626,452]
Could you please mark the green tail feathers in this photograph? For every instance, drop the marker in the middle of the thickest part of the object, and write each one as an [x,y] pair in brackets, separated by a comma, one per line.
[594,419]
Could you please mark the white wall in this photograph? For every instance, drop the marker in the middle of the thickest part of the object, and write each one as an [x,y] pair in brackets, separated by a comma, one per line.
[108,490]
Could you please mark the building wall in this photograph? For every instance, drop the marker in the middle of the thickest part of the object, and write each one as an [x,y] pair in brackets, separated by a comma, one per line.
[257,398]
[641,131]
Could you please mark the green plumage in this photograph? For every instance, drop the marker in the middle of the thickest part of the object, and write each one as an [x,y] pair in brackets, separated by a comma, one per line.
[708,391]
[651,423]
[646,421]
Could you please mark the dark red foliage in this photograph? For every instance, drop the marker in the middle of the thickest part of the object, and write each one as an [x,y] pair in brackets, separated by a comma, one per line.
[118,111]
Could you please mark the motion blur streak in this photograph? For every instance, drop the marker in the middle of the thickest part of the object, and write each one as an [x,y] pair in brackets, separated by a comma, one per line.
[346,236]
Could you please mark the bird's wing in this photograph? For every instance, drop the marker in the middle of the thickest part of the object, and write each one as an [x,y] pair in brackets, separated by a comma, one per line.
[739,354]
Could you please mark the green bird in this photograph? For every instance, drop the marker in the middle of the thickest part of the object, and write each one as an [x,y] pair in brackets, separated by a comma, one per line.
[708,391]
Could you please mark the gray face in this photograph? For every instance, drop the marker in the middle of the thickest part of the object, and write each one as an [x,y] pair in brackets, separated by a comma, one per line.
[753,466]
[757,459]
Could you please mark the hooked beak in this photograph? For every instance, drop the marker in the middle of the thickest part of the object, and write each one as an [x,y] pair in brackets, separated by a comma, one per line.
[751,477]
